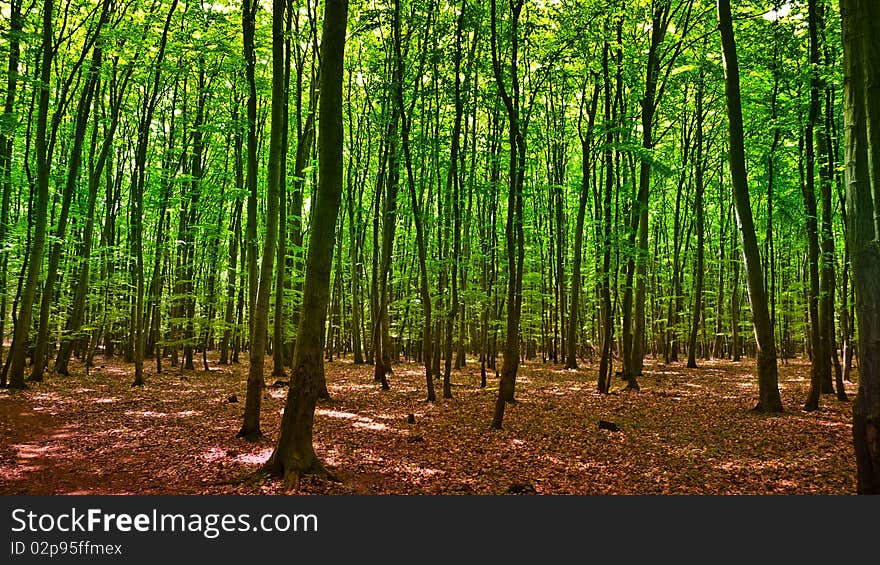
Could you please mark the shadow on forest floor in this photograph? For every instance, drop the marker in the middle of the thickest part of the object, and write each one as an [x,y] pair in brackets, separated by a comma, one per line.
[690,431]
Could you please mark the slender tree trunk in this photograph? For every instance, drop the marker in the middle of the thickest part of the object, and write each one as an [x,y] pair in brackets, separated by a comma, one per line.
[701,236]
[421,244]
[634,293]
[453,182]
[606,365]
[381,337]
[819,365]
[250,429]
[16,23]
[354,223]
[514,228]
[254,394]
[41,207]
[278,341]
[769,399]
[77,315]
[230,329]
[718,344]
[136,217]
[827,162]
[577,258]
[192,210]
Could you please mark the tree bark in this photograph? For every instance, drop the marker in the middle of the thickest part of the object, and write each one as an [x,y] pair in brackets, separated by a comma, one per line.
[861,62]
[294,453]
[41,207]
[16,23]
[259,322]
[701,236]
[811,219]
[514,228]
[768,387]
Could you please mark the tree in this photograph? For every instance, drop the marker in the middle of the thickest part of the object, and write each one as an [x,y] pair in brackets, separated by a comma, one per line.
[769,399]
[861,63]
[41,207]
[294,454]
[259,321]
[424,292]
[818,336]
[514,228]
[16,23]
[662,15]
[700,228]
[136,215]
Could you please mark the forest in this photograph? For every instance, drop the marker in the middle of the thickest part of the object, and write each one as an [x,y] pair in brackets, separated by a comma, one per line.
[440,247]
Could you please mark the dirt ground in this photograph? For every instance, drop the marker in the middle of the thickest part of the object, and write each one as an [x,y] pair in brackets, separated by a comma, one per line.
[689,431]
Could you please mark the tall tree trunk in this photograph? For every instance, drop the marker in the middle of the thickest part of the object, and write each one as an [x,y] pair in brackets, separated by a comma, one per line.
[819,365]
[826,236]
[577,258]
[453,182]
[718,344]
[861,63]
[254,394]
[701,236]
[259,323]
[136,216]
[381,336]
[636,269]
[294,453]
[355,220]
[768,387]
[230,329]
[606,364]
[421,244]
[77,315]
[41,207]
[192,211]
[16,23]
[75,161]
[278,349]
[514,228]
[249,22]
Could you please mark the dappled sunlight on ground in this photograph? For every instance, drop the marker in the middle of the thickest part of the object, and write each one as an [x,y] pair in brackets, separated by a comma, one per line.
[689,431]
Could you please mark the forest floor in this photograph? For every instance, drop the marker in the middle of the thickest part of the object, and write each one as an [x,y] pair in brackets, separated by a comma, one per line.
[689,431]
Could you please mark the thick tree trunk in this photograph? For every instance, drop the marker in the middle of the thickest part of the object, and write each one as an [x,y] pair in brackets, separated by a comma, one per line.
[294,453]
[861,61]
